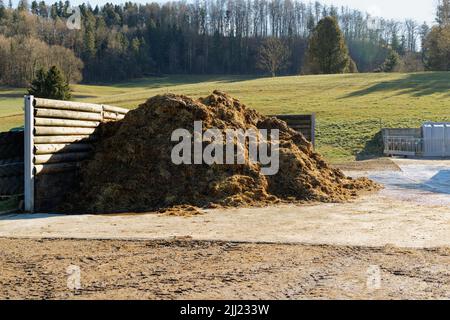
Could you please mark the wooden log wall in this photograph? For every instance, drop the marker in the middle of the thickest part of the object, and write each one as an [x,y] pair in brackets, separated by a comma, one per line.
[63,137]
[11,164]
[303,123]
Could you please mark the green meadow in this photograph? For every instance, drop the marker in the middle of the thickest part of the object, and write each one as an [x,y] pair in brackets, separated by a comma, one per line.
[350,109]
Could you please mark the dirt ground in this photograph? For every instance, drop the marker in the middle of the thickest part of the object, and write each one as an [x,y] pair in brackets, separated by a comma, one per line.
[180,269]
[391,245]
[413,210]
[378,164]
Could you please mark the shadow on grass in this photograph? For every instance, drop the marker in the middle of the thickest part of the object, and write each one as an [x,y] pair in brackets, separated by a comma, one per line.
[414,84]
[175,80]
[10,95]
[372,149]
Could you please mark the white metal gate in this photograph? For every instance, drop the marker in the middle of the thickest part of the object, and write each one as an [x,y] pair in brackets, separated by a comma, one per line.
[436,139]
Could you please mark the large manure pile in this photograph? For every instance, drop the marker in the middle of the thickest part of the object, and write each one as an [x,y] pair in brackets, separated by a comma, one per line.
[132,168]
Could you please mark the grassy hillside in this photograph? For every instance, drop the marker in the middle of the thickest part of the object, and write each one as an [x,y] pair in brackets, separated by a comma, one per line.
[350,108]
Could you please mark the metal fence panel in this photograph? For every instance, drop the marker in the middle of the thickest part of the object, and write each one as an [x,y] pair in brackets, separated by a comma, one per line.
[436,138]
[402,146]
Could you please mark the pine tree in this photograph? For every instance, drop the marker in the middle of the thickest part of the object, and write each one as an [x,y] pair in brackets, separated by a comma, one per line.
[437,49]
[2,10]
[424,31]
[392,61]
[403,47]
[38,87]
[35,7]
[327,52]
[395,44]
[23,5]
[51,85]
[443,12]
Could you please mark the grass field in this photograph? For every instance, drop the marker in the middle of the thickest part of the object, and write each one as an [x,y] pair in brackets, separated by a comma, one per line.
[350,109]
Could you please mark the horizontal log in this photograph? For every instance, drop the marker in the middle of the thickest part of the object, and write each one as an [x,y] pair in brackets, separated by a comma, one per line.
[300,127]
[304,131]
[113,116]
[67,114]
[293,116]
[67,105]
[55,131]
[61,157]
[56,167]
[299,122]
[11,185]
[65,123]
[11,169]
[113,109]
[64,139]
[60,179]
[54,148]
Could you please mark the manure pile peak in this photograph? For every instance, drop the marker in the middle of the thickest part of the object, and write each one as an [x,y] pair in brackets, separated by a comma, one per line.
[132,168]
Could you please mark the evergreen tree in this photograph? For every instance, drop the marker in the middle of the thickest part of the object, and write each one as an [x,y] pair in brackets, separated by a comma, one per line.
[35,7]
[437,49]
[424,31]
[327,52]
[118,42]
[23,5]
[392,62]
[443,12]
[43,9]
[51,85]
[436,46]
[89,48]
[395,44]
[38,85]
[2,10]
[403,47]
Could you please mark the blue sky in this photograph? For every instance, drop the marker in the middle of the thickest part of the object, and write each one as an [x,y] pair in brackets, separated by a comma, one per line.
[421,10]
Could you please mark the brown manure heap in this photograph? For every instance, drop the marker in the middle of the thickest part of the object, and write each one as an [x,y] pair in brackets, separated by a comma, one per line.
[132,168]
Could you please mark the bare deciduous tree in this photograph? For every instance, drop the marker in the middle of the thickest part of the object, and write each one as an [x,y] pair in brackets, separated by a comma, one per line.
[273,56]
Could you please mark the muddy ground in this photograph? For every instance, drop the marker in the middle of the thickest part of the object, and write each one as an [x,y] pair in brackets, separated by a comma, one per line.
[183,269]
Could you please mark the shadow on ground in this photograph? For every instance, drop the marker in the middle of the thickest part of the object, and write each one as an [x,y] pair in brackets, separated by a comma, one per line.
[439,183]
[414,84]
[372,149]
[26,216]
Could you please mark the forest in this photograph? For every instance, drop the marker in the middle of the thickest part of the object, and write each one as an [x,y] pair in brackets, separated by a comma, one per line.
[119,42]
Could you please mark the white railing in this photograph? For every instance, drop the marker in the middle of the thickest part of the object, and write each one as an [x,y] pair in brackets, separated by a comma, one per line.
[403,146]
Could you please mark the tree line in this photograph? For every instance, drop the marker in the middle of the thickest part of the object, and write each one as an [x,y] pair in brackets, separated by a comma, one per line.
[436,46]
[118,42]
